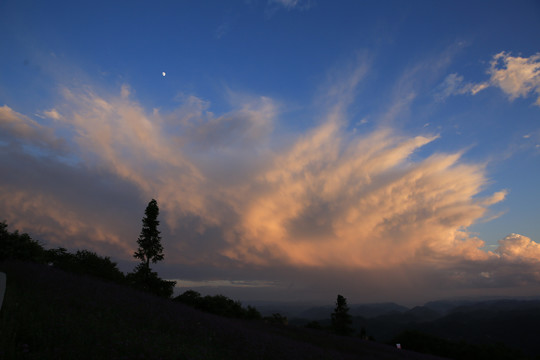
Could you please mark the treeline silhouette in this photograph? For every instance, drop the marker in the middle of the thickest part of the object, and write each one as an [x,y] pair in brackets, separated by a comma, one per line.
[14,245]
[20,246]
[17,246]
[218,304]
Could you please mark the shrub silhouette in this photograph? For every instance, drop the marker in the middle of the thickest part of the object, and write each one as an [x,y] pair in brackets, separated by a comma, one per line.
[143,278]
[222,305]
[314,325]
[252,313]
[190,297]
[218,304]
[18,246]
[60,258]
[98,266]
[277,318]
[85,262]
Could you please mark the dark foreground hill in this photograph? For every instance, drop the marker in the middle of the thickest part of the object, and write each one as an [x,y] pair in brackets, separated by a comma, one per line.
[51,314]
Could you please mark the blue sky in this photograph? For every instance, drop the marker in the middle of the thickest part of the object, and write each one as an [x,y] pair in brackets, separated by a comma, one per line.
[298,147]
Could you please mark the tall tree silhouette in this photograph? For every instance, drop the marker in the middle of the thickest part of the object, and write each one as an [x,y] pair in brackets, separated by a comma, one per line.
[150,248]
[341,319]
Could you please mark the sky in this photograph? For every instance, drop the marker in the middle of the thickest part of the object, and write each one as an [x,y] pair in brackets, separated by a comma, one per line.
[297,149]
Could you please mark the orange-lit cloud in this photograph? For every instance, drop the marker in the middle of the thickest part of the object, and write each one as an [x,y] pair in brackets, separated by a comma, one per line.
[328,198]
[361,203]
[16,127]
[233,192]
[515,247]
[49,216]
[516,76]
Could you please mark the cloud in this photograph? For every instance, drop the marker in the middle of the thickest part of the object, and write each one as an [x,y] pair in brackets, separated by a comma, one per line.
[246,126]
[65,203]
[327,199]
[222,29]
[240,199]
[17,128]
[515,247]
[274,5]
[453,84]
[476,88]
[53,114]
[360,203]
[514,264]
[515,76]
[59,222]
[290,4]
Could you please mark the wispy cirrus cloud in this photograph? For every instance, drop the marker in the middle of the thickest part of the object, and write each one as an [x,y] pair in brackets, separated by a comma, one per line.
[454,84]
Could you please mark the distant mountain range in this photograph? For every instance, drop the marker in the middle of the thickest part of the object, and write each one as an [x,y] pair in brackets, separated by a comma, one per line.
[513,322]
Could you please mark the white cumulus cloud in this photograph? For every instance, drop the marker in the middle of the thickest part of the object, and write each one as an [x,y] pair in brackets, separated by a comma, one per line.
[515,75]
[516,247]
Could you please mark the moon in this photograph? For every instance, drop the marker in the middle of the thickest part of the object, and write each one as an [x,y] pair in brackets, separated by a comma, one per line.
[163,73]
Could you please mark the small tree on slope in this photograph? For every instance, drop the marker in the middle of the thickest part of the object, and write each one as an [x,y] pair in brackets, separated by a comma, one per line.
[341,319]
[150,248]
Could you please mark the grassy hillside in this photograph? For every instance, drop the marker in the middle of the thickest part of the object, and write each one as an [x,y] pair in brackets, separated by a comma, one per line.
[51,314]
